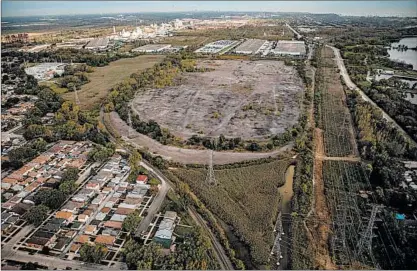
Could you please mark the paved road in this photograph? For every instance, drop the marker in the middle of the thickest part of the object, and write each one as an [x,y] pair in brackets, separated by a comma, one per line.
[188,156]
[157,202]
[351,85]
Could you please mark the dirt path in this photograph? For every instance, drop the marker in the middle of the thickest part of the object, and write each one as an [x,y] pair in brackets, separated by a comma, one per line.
[188,156]
[320,231]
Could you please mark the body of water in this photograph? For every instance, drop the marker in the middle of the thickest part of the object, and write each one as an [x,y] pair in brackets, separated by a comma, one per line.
[409,56]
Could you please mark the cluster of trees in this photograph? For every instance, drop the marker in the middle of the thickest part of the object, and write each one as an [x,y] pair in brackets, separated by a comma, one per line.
[191,254]
[51,199]
[188,198]
[69,55]
[132,221]
[101,153]
[69,123]
[75,76]
[92,253]
[24,153]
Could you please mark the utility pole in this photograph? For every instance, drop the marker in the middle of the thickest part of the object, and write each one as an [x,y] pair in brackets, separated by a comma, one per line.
[210,175]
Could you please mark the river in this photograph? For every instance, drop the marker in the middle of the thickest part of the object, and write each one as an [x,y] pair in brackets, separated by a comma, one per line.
[286,192]
[408,56]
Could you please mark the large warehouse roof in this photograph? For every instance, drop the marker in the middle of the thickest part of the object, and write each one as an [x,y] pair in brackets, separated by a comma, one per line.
[250,46]
[290,47]
[152,48]
[98,43]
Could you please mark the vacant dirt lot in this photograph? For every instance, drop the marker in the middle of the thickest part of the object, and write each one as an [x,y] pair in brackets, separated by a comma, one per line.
[247,99]
[103,78]
[187,156]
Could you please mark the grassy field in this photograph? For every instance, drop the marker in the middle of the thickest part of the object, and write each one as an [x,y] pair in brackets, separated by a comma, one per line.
[103,78]
[246,198]
[54,87]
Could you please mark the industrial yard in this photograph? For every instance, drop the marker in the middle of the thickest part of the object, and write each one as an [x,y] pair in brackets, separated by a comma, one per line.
[247,99]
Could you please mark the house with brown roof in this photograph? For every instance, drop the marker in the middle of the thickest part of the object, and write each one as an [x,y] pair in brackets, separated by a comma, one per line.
[105,240]
[83,239]
[105,210]
[91,229]
[68,216]
[75,247]
[113,224]
[124,211]
[82,218]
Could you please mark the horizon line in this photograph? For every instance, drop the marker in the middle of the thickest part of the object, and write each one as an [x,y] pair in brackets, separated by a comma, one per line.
[197,11]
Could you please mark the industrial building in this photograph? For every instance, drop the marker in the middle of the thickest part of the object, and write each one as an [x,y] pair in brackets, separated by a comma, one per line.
[217,47]
[289,48]
[98,44]
[152,48]
[251,46]
[46,71]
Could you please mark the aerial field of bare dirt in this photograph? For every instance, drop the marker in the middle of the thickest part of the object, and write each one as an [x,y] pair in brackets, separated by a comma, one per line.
[247,99]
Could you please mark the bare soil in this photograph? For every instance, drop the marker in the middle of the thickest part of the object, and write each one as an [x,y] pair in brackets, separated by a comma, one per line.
[247,99]
[188,156]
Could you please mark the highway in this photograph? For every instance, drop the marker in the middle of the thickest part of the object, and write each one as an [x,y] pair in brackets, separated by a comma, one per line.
[352,86]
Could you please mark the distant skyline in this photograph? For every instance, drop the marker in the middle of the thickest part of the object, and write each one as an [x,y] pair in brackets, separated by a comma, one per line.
[355,8]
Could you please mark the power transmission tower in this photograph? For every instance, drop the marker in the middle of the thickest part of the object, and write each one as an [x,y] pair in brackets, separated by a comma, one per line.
[129,120]
[210,175]
[366,240]
[77,100]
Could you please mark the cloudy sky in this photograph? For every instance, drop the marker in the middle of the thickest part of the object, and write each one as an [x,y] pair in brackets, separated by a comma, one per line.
[383,8]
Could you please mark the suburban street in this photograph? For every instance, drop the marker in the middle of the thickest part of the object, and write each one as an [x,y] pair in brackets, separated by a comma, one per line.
[351,85]
[156,203]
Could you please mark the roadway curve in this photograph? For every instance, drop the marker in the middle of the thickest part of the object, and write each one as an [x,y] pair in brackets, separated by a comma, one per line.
[352,86]
[187,156]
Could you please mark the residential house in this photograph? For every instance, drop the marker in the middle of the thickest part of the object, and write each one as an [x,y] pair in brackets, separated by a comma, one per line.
[117,217]
[105,240]
[124,211]
[68,216]
[142,179]
[83,239]
[91,229]
[113,224]
[72,206]
[82,218]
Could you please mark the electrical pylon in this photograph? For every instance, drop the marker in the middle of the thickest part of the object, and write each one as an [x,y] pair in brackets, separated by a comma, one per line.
[210,174]
[77,100]
[366,240]
[129,120]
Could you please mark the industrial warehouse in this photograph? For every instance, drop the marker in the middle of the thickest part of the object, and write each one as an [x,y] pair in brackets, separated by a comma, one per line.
[289,48]
[152,48]
[98,44]
[251,46]
[220,46]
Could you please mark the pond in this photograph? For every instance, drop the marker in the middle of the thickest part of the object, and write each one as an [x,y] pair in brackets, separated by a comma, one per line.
[408,56]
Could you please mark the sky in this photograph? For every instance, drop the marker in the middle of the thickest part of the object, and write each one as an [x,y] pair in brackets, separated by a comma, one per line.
[359,8]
